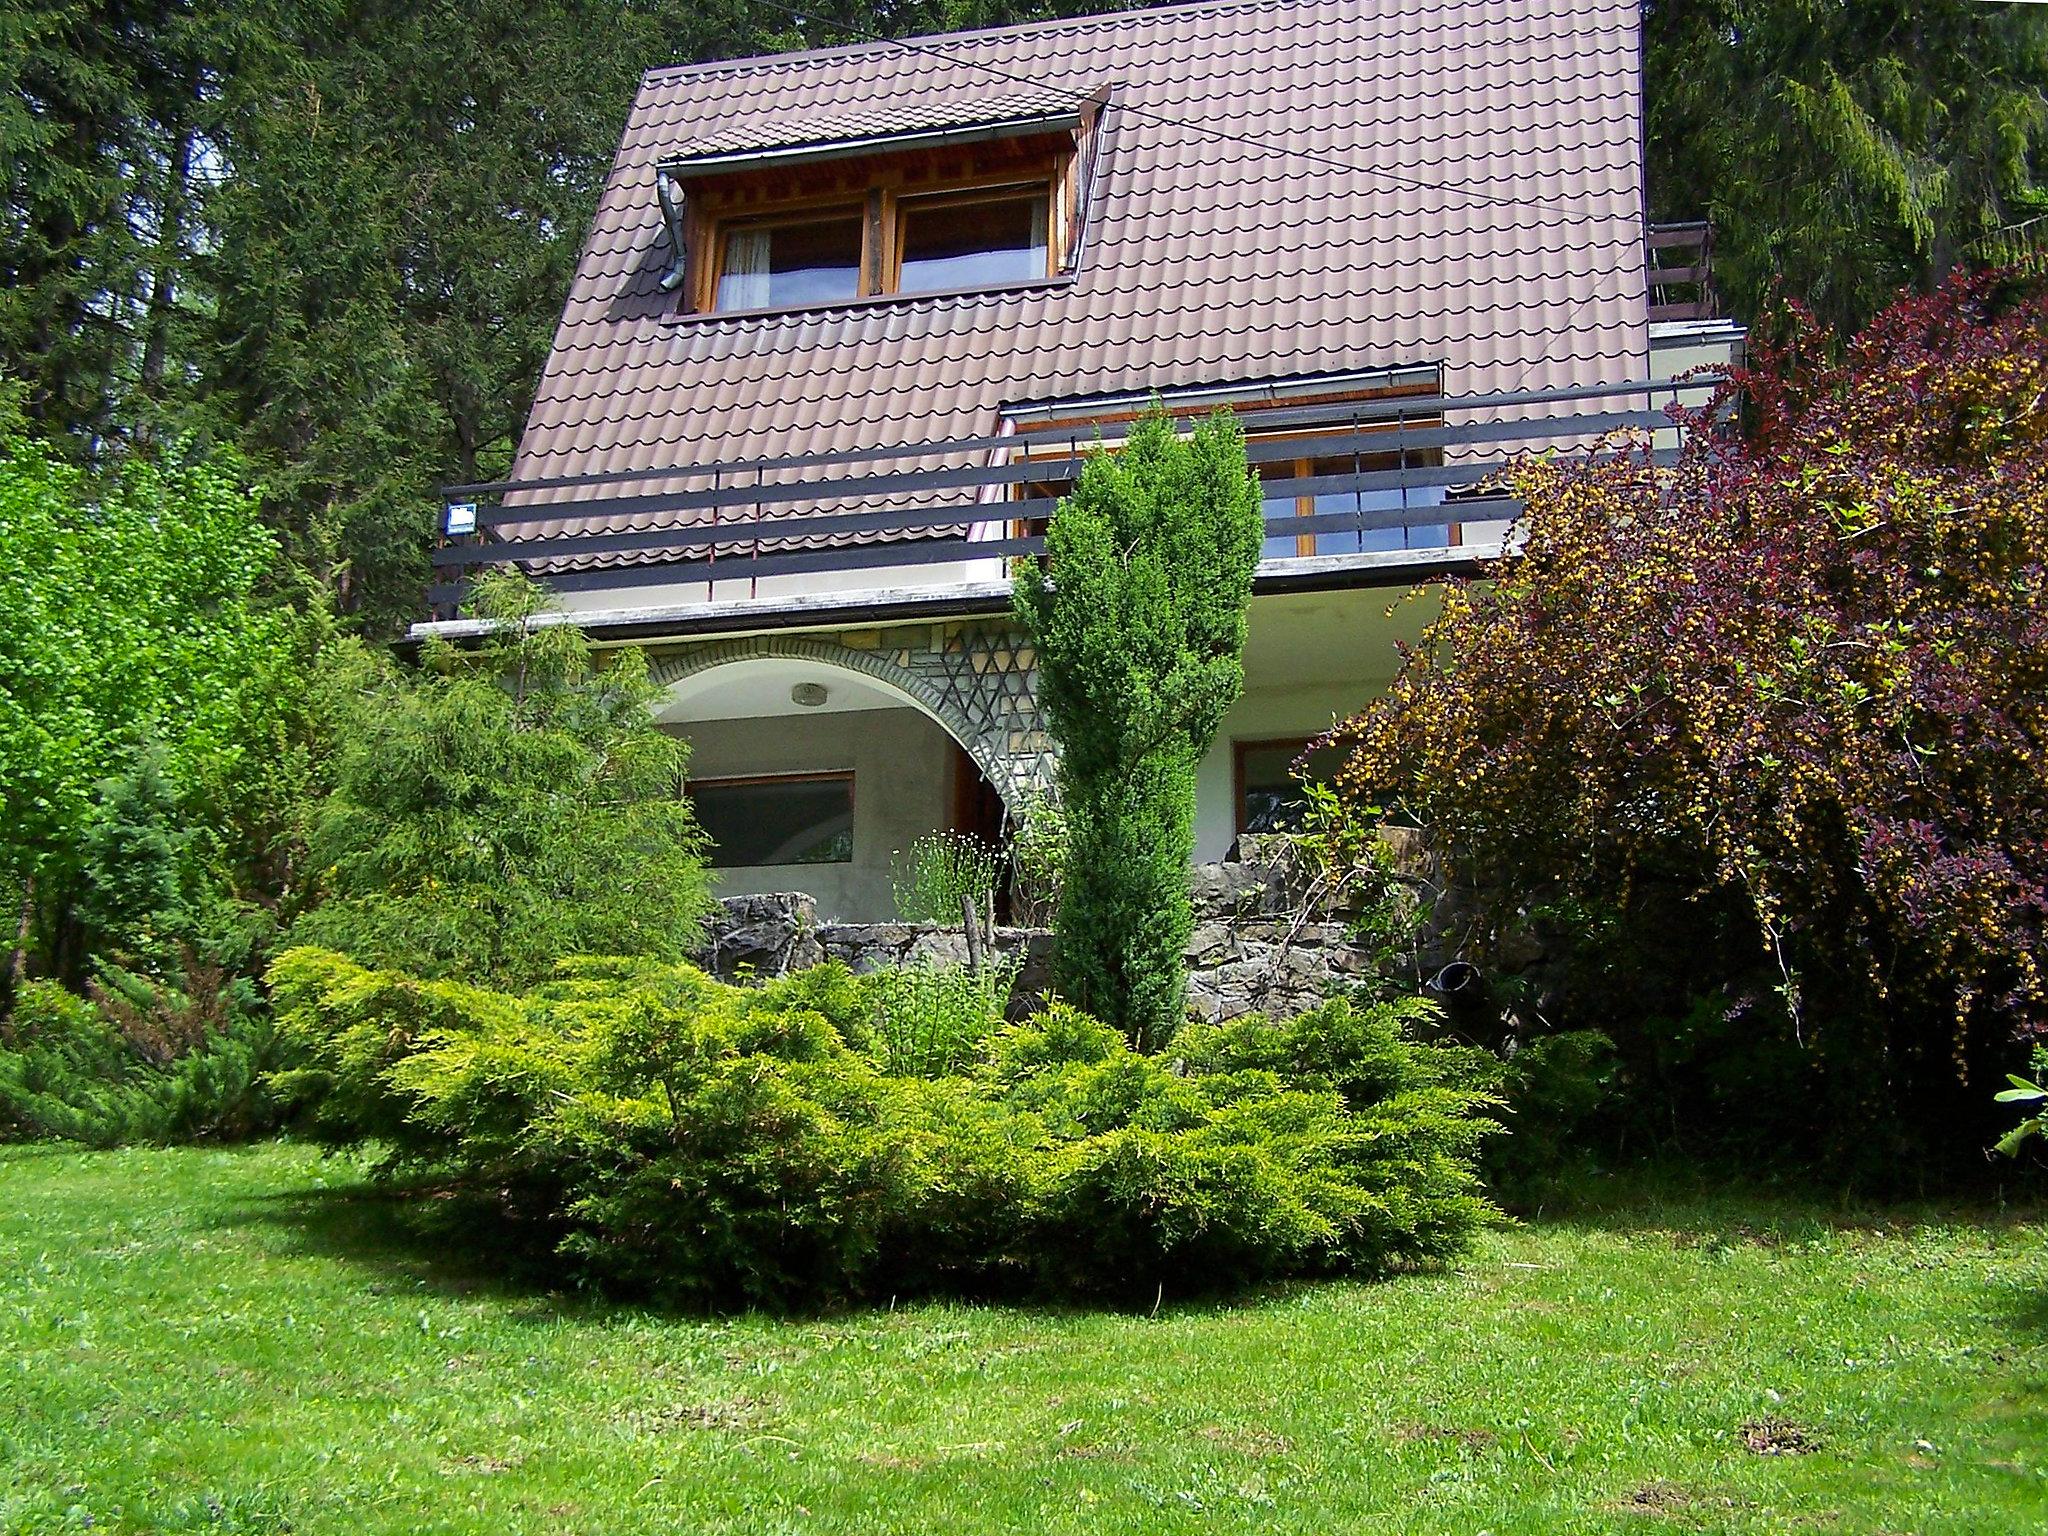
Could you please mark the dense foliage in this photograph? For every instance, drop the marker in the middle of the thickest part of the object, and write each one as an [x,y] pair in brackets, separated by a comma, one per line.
[507,807]
[1138,616]
[1844,152]
[1781,706]
[696,1140]
[147,1063]
[144,683]
[335,237]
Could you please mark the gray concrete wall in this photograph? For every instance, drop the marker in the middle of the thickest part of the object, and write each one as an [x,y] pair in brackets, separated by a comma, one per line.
[900,762]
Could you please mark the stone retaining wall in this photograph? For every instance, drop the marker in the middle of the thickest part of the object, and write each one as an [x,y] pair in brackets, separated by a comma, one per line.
[1246,955]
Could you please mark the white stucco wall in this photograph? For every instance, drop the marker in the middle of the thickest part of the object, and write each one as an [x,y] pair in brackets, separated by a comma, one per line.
[900,761]
[1311,659]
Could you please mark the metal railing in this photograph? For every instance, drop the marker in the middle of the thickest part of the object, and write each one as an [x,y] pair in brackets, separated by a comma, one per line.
[1427,465]
[1679,259]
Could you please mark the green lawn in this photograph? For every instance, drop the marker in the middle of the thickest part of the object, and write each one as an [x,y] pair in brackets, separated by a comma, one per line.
[241,1341]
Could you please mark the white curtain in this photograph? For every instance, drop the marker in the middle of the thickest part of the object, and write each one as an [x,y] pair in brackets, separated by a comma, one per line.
[744,282]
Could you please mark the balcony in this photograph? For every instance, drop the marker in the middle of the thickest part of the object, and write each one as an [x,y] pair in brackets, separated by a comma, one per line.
[1679,263]
[1381,490]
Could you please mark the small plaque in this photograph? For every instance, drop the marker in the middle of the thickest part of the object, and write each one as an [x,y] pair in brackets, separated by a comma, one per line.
[460,518]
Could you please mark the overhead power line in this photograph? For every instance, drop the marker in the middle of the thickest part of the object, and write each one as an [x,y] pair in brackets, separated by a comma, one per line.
[938,50]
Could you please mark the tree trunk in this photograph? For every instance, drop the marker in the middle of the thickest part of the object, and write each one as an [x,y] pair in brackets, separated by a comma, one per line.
[170,252]
[17,962]
[972,919]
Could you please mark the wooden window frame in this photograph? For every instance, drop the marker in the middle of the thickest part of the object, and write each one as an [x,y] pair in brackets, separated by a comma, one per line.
[899,207]
[1239,745]
[1303,468]
[877,191]
[784,219]
[746,780]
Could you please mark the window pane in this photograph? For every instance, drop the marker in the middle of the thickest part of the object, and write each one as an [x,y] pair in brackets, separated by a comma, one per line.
[1273,797]
[784,265]
[776,821]
[1279,546]
[1372,505]
[972,245]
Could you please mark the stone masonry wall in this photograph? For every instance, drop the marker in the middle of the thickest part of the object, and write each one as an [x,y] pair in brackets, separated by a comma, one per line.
[1248,952]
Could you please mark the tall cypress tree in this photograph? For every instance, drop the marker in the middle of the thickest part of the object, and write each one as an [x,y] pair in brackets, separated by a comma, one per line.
[1139,621]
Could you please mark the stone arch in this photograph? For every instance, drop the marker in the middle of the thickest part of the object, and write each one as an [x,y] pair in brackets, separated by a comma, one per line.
[990,710]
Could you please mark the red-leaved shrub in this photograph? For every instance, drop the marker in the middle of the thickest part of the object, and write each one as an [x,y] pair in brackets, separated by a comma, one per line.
[1801,678]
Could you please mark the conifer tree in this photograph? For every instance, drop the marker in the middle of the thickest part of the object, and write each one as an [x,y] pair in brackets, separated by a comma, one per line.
[1139,620]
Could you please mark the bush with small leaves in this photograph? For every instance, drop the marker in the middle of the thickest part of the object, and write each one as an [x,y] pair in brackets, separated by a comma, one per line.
[173,1067]
[673,1135]
[1776,716]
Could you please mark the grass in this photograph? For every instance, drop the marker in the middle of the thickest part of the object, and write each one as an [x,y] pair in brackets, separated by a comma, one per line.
[244,1341]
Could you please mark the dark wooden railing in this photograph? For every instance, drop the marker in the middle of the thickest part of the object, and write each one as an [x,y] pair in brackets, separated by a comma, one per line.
[979,498]
[1680,262]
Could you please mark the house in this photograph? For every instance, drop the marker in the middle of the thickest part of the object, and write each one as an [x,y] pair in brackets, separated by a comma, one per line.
[848,319]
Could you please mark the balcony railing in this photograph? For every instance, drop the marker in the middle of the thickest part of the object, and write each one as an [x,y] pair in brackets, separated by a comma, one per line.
[1423,471]
[1680,262]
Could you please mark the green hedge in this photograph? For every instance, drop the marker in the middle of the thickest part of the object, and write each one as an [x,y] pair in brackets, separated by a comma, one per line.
[707,1142]
[67,1073]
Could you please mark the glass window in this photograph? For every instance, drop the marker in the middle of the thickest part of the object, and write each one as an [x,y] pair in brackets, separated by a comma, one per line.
[1279,545]
[800,819]
[1270,796]
[1372,505]
[955,243]
[770,266]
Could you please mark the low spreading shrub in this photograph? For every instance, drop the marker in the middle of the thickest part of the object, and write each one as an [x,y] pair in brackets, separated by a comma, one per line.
[146,1063]
[1554,1087]
[682,1137]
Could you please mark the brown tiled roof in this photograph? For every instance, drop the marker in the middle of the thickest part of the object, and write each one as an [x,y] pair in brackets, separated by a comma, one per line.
[886,122]
[1284,188]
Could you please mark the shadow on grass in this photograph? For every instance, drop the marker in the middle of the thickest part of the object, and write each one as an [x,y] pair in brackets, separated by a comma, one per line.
[1700,1205]
[395,1234]
[411,1240]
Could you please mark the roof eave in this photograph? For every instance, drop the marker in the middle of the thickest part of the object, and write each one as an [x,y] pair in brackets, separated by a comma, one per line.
[689,167]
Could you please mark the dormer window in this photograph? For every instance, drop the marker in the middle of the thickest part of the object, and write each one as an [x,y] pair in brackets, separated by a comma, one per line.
[972,240]
[784,264]
[844,212]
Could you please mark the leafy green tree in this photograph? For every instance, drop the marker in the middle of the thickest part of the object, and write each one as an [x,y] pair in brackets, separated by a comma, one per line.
[506,809]
[1139,619]
[133,642]
[1847,151]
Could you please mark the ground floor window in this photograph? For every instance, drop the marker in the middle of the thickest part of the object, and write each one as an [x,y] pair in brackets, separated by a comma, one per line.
[1270,797]
[790,818]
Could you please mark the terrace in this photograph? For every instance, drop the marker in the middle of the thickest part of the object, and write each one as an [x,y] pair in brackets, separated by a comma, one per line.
[1396,487]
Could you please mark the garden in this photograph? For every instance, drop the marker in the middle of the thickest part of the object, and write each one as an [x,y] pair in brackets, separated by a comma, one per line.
[385,1151]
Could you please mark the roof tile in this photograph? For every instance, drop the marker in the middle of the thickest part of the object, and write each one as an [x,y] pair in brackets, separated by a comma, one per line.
[1286,187]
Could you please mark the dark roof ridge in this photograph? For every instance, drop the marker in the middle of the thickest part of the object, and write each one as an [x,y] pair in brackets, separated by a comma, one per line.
[972,34]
